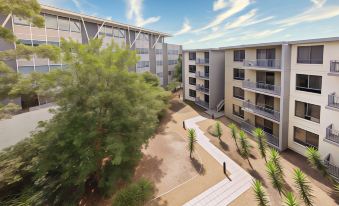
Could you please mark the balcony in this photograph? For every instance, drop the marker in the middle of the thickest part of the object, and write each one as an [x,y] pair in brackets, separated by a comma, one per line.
[333,101]
[202,61]
[262,87]
[263,111]
[332,135]
[331,168]
[202,88]
[334,68]
[273,64]
[202,103]
[271,139]
[202,75]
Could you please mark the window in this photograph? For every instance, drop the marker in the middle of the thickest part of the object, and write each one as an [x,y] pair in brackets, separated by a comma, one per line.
[51,21]
[42,69]
[309,83]
[142,50]
[192,68]
[306,138]
[238,111]
[238,55]
[63,24]
[158,51]
[75,25]
[25,42]
[238,74]
[192,81]
[19,21]
[264,124]
[172,52]
[307,111]
[310,54]
[192,93]
[26,69]
[159,63]
[38,42]
[160,74]
[265,101]
[142,64]
[172,62]
[191,55]
[265,77]
[238,93]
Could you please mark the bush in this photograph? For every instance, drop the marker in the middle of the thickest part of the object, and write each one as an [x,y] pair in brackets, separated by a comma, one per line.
[135,194]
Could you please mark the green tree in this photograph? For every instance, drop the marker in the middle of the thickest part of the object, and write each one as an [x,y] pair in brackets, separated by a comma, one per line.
[191,141]
[290,199]
[234,131]
[218,130]
[135,194]
[172,86]
[259,193]
[151,79]
[336,188]
[275,158]
[262,144]
[178,71]
[274,174]
[303,186]
[245,146]
[313,157]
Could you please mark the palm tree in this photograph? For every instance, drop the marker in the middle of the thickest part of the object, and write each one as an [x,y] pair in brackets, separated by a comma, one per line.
[262,145]
[191,141]
[245,146]
[260,194]
[234,129]
[313,157]
[275,158]
[336,188]
[218,130]
[303,185]
[275,176]
[290,199]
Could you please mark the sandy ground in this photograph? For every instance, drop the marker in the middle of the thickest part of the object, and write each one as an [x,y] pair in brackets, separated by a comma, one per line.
[290,160]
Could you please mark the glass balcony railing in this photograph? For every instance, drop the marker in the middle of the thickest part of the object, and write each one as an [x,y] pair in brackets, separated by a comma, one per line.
[262,87]
[333,100]
[202,61]
[202,88]
[332,134]
[334,67]
[263,63]
[202,75]
[202,103]
[266,112]
[271,139]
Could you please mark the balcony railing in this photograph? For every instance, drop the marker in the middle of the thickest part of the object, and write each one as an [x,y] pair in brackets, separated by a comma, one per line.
[202,103]
[263,63]
[272,114]
[271,139]
[333,100]
[202,61]
[267,88]
[334,67]
[202,75]
[202,88]
[332,134]
[331,168]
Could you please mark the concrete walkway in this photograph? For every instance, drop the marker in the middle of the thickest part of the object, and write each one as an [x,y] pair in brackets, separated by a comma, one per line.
[224,192]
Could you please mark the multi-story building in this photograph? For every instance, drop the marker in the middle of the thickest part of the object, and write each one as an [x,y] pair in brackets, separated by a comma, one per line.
[203,78]
[60,23]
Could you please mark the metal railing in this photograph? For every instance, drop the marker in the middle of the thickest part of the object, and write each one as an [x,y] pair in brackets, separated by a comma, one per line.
[271,139]
[202,103]
[333,100]
[202,88]
[268,88]
[332,134]
[334,66]
[265,63]
[202,61]
[331,168]
[202,75]
[272,114]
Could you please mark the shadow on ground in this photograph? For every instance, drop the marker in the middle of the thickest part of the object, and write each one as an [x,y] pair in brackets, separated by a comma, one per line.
[149,168]
[198,166]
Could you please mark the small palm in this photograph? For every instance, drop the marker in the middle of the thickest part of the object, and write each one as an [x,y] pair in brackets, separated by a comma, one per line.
[191,141]
[290,200]
[259,193]
[262,145]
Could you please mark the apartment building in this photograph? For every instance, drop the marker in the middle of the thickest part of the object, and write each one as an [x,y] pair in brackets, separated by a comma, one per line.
[203,78]
[150,45]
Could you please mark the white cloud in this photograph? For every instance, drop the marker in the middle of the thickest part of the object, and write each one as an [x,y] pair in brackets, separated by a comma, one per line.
[188,42]
[186,27]
[260,34]
[318,3]
[134,11]
[219,4]
[246,20]
[233,7]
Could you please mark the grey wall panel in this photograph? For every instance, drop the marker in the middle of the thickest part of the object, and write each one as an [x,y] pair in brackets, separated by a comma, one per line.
[217,78]
[165,63]
[152,58]
[92,29]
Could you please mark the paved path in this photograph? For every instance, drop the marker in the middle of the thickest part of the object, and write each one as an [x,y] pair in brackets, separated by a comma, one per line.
[225,191]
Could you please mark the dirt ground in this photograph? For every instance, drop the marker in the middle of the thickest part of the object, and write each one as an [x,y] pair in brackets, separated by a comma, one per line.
[322,191]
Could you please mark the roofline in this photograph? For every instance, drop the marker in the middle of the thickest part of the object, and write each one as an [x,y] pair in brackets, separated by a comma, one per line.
[318,40]
[201,50]
[99,20]
[254,45]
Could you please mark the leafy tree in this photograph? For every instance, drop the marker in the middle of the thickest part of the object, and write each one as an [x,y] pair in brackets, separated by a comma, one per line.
[234,130]
[275,158]
[262,144]
[313,157]
[304,187]
[290,199]
[105,115]
[136,194]
[151,78]
[218,130]
[274,174]
[191,141]
[245,146]
[259,193]
[178,70]
[172,86]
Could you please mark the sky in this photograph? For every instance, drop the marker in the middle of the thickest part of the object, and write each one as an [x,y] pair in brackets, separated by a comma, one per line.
[218,23]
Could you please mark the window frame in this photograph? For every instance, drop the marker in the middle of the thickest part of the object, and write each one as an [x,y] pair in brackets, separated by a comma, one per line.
[240,114]
[307,111]
[192,56]
[308,88]
[310,60]
[189,81]
[239,55]
[236,96]
[190,68]
[304,143]
[236,72]
[193,91]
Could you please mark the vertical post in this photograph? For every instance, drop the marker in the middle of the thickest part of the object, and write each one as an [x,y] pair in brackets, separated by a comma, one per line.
[224,166]
[183,125]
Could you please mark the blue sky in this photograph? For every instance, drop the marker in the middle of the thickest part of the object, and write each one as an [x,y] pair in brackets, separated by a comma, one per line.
[217,23]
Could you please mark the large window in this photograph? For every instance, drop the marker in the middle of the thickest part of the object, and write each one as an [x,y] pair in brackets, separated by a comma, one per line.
[310,54]
[63,24]
[192,81]
[142,64]
[238,93]
[142,50]
[239,55]
[192,68]
[307,111]
[75,26]
[191,55]
[19,21]
[305,138]
[238,111]
[309,83]
[238,74]
[192,93]
[51,21]
[264,124]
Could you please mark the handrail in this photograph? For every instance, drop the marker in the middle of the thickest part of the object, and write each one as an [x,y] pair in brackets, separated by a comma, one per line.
[265,63]
[275,115]
[272,89]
